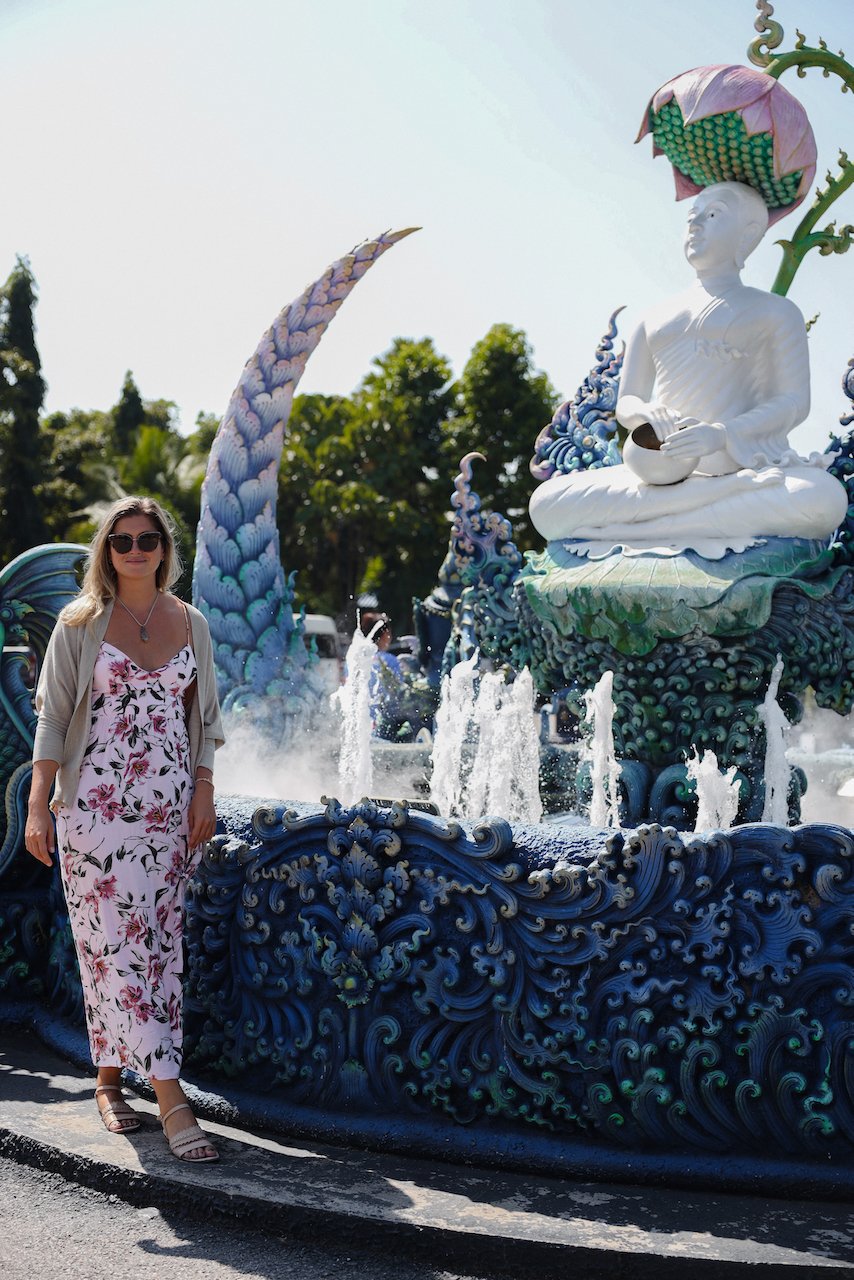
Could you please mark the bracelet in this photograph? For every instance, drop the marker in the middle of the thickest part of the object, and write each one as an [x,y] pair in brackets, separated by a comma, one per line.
[209,781]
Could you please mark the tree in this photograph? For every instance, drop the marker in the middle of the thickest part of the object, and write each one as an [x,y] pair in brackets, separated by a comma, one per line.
[315,505]
[505,402]
[22,523]
[404,408]
[78,477]
[361,501]
[127,417]
[200,441]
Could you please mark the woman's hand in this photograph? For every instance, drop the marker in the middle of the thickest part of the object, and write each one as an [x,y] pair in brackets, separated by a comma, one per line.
[39,836]
[202,815]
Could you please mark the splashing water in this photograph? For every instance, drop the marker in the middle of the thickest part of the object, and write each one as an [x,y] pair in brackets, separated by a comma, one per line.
[355,766]
[717,792]
[518,754]
[777,768]
[479,788]
[486,749]
[453,717]
[605,769]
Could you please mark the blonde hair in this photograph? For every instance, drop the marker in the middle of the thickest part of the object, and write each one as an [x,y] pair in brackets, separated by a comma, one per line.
[98,589]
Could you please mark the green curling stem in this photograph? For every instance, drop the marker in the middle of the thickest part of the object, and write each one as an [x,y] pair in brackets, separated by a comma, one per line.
[805,237]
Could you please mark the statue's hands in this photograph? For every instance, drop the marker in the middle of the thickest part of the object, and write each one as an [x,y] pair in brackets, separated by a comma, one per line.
[695,439]
[663,421]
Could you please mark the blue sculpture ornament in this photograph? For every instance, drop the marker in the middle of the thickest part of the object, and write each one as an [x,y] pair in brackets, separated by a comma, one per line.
[34,587]
[843,468]
[238,580]
[485,561]
[653,993]
[582,434]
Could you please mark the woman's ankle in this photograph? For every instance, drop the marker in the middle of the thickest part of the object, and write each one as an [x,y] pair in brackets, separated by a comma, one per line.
[169,1093]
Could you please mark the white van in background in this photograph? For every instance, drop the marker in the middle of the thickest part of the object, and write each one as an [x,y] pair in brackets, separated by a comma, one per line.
[321,630]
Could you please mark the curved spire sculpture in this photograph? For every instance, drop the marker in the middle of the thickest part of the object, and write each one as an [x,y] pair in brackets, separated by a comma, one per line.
[238,580]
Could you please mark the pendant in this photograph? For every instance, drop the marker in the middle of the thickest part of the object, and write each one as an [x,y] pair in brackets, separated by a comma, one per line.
[143,634]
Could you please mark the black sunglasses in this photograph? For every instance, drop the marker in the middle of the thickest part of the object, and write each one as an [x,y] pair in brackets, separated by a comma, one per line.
[123,542]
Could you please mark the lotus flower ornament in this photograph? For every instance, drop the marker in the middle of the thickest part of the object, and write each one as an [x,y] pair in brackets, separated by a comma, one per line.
[733,124]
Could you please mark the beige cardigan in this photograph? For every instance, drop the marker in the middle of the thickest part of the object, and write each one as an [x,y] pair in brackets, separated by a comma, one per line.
[64,700]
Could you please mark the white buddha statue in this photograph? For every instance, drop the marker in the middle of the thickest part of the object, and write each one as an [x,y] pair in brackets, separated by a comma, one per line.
[721,372]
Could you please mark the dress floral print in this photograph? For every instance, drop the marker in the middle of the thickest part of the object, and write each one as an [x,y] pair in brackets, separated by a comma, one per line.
[125,862]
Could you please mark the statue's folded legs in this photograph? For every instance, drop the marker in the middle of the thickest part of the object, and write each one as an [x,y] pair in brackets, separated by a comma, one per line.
[612,503]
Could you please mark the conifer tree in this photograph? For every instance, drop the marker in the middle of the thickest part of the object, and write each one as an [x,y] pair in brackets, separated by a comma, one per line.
[128,416]
[22,389]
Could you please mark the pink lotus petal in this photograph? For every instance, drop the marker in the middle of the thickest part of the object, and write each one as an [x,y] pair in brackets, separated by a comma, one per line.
[730,89]
[685,186]
[757,117]
[764,106]
[651,109]
[794,142]
[701,95]
[709,91]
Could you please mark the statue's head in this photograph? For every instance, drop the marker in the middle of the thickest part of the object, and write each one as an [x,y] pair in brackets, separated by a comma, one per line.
[725,225]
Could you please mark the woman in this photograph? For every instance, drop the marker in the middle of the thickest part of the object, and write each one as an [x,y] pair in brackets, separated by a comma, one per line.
[128,726]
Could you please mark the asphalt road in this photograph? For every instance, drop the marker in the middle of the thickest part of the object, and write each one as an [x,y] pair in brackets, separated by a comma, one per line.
[56,1230]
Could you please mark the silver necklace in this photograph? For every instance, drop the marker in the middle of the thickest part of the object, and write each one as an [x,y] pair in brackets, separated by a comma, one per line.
[143,626]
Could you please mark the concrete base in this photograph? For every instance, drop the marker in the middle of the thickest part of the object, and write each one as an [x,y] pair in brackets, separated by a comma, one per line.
[465,1216]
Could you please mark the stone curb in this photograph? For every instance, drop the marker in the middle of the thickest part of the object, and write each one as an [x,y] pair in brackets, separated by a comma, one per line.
[431,1242]
[456,1145]
[453,1216]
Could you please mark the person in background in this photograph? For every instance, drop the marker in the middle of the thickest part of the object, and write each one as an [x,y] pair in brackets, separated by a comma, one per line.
[386,675]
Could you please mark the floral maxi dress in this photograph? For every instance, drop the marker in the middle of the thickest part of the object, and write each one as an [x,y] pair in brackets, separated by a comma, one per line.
[125,862]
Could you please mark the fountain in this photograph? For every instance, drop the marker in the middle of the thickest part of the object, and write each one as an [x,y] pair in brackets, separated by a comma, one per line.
[717,792]
[617,1002]
[776,770]
[355,767]
[605,769]
[485,752]
[453,718]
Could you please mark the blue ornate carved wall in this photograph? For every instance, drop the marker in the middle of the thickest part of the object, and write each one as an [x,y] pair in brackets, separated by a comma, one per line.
[648,993]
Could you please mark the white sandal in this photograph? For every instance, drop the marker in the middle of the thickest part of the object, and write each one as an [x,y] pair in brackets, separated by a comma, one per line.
[186,1140]
[116,1112]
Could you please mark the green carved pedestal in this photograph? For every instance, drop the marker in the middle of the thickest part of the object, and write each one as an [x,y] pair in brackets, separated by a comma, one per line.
[692,644]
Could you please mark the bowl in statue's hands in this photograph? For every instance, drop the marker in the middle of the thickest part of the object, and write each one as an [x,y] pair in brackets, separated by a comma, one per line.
[642,455]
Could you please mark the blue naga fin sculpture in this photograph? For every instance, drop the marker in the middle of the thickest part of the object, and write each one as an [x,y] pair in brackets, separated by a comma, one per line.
[34,587]
[472,605]
[238,580]
[582,434]
[484,559]
[843,468]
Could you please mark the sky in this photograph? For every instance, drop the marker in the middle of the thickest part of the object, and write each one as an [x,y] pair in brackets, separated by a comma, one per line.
[179,170]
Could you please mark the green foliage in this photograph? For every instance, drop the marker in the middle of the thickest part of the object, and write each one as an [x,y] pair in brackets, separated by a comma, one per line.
[77,476]
[199,442]
[361,501]
[365,480]
[127,417]
[131,415]
[22,389]
[505,402]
